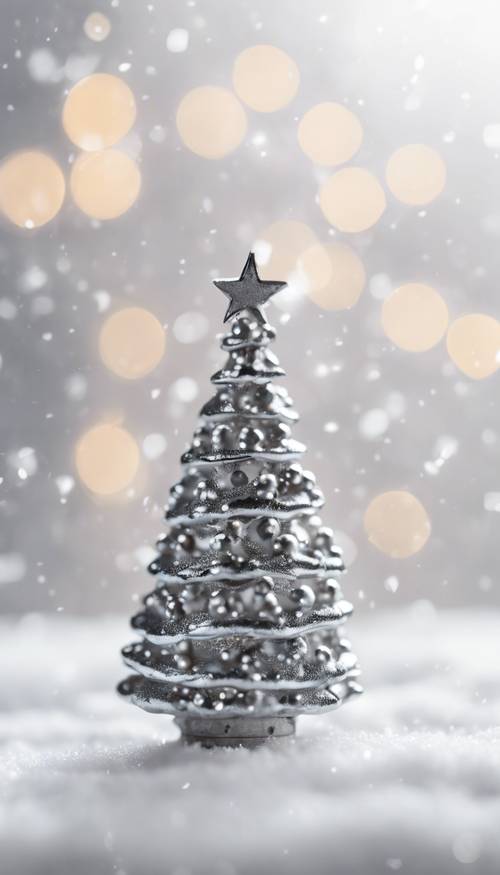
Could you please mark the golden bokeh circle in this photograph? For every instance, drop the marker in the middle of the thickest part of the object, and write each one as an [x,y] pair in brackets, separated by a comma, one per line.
[335,276]
[107,459]
[97,27]
[330,134]
[105,184]
[98,111]
[265,78]
[415,317]
[352,199]
[416,174]
[397,524]
[211,121]
[32,188]
[473,343]
[131,342]
[280,246]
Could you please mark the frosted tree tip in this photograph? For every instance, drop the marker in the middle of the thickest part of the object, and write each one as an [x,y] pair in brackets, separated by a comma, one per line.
[248,292]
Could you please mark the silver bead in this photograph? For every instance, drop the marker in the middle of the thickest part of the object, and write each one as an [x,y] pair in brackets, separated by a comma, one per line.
[303,596]
[250,438]
[234,529]
[286,544]
[323,654]
[239,479]
[324,539]
[268,529]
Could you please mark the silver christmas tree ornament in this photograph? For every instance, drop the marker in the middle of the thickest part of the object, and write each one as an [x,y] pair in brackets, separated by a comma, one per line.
[244,629]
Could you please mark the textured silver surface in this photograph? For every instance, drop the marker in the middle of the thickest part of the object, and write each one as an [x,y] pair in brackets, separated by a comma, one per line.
[244,731]
[245,624]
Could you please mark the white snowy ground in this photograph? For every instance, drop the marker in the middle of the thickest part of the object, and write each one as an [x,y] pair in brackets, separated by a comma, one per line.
[405,779]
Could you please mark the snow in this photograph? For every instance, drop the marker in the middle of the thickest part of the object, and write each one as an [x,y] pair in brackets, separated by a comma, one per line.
[492,501]
[177,40]
[12,567]
[491,136]
[373,423]
[154,445]
[190,327]
[404,779]
[185,389]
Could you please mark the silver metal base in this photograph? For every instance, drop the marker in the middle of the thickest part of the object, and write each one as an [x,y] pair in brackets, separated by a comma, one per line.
[234,732]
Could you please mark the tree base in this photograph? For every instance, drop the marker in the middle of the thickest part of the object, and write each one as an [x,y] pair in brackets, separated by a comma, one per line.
[234,732]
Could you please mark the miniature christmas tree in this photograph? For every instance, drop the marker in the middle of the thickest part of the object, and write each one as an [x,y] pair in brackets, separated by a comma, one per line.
[243,631]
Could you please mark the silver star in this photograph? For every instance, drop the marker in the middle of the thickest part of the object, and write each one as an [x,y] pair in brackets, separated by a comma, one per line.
[249,291]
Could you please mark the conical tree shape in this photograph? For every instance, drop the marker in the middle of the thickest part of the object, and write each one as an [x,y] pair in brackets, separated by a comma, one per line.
[243,631]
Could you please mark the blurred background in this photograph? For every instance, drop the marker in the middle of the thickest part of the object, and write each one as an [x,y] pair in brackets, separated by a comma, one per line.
[145,149]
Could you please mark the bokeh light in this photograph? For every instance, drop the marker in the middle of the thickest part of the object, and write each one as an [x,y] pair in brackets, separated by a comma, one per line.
[191,326]
[335,275]
[211,121]
[177,40]
[107,459]
[397,524]
[416,174]
[352,199]
[97,27]
[131,342]
[32,188]
[330,134]
[185,389]
[105,184]
[415,317]
[473,343]
[265,78]
[98,111]
[154,445]
[279,247]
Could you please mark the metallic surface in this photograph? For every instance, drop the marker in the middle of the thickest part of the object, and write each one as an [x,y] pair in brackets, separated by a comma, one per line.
[215,566]
[240,731]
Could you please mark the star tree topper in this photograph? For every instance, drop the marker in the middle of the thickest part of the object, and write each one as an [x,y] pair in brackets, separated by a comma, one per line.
[249,291]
